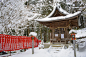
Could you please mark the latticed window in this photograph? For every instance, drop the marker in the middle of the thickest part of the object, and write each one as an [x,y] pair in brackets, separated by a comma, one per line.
[62,30]
[59,30]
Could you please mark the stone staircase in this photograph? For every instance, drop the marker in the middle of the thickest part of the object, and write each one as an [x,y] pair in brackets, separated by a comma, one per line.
[56,48]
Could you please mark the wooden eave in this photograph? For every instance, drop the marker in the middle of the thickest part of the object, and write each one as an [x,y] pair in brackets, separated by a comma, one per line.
[73,21]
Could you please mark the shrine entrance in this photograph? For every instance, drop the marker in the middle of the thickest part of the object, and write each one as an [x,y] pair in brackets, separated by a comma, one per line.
[60,36]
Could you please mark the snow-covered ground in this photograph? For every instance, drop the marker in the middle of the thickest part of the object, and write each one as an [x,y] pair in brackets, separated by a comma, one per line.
[45,53]
[69,52]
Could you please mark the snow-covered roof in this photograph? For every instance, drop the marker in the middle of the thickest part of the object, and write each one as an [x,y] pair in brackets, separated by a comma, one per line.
[58,18]
[79,33]
[60,10]
[33,34]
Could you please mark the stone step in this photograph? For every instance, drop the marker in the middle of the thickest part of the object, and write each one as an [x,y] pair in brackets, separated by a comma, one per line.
[56,47]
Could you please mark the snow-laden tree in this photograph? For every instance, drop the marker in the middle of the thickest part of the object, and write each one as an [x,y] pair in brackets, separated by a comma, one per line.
[14,15]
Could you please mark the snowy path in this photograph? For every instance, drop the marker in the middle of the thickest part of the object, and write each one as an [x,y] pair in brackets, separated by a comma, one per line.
[37,53]
[49,53]
[46,53]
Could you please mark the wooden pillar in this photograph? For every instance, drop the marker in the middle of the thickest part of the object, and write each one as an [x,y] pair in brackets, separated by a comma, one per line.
[65,34]
[50,37]
[52,33]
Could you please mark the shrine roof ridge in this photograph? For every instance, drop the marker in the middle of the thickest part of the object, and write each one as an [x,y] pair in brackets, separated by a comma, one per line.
[58,6]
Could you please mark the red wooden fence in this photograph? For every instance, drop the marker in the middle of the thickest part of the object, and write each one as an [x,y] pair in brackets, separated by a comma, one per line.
[11,43]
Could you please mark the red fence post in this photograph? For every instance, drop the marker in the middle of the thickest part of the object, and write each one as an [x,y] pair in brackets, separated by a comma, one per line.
[19,40]
[7,42]
[1,42]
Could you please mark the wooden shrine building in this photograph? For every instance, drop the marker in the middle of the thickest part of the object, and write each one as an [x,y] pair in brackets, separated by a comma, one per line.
[60,22]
